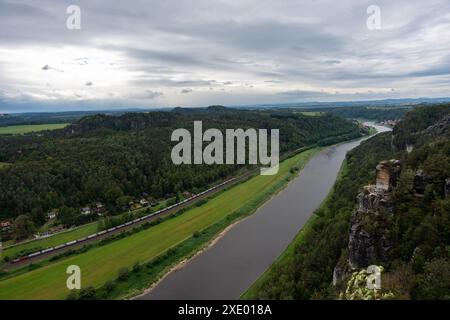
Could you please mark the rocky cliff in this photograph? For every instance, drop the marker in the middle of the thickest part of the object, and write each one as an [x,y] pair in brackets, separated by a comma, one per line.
[370,238]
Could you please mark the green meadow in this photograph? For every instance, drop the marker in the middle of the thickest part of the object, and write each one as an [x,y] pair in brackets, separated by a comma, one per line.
[22,129]
[312,113]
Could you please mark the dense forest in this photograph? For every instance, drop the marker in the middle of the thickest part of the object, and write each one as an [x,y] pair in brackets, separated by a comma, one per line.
[114,159]
[415,235]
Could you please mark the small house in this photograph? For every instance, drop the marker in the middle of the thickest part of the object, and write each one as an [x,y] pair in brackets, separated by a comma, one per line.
[86,211]
[187,194]
[52,214]
[99,208]
[5,225]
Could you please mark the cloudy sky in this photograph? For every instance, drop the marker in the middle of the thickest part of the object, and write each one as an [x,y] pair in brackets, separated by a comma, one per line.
[202,52]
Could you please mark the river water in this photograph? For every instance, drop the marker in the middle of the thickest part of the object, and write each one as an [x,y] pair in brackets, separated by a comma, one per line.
[235,261]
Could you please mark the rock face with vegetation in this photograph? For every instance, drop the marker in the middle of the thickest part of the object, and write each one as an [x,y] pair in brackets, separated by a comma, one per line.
[370,239]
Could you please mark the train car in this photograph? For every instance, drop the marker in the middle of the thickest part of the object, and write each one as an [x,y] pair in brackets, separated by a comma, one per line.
[34,254]
[71,242]
[60,246]
[20,259]
[91,236]
[47,250]
[111,229]
[100,233]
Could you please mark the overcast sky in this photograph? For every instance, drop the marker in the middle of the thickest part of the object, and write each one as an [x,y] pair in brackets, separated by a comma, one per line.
[203,52]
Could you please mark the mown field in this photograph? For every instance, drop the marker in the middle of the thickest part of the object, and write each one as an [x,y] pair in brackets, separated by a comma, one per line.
[102,264]
[312,113]
[22,129]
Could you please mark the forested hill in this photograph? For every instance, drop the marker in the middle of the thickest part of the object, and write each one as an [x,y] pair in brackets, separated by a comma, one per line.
[405,230]
[114,159]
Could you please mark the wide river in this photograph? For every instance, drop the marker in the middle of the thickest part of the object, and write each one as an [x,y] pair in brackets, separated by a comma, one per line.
[235,261]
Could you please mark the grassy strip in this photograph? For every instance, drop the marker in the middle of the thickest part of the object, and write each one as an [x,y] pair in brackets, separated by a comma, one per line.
[288,254]
[4,164]
[101,265]
[22,129]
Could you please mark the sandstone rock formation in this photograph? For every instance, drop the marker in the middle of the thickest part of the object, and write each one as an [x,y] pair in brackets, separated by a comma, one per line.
[370,238]
[387,175]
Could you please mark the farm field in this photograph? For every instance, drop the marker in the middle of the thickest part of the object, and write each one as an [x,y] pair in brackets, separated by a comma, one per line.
[22,129]
[101,264]
[311,113]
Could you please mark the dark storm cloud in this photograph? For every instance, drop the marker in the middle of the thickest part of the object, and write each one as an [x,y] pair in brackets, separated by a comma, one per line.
[188,90]
[147,94]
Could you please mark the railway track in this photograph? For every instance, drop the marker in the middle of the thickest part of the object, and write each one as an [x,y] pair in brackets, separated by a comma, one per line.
[51,251]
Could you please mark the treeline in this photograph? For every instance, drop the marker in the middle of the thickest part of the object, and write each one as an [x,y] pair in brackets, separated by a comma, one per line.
[116,159]
[375,113]
[48,117]
[419,260]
